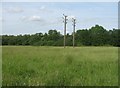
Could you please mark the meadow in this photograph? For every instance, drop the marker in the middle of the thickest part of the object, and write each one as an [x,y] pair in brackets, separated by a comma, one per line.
[58,66]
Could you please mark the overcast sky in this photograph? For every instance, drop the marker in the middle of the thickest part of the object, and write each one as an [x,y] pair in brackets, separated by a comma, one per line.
[35,17]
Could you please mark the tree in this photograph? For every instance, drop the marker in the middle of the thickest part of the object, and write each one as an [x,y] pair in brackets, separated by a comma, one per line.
[83,37]
[98,35]
[95,36]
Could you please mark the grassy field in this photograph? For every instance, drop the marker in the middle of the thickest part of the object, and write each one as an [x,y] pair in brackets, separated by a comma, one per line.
[56,66]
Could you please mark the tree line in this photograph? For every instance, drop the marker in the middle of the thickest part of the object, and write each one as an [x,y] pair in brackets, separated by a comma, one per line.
[95,36]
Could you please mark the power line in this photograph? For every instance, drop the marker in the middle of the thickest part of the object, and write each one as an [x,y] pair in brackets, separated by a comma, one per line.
[74,24]
[65,22]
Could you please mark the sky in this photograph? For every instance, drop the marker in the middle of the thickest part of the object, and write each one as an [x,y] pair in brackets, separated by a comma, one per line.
[34,17]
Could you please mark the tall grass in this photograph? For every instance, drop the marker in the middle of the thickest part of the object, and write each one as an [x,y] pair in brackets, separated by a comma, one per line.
[56,66]
[0,66]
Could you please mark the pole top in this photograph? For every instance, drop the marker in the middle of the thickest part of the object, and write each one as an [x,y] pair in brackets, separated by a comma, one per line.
[64,15]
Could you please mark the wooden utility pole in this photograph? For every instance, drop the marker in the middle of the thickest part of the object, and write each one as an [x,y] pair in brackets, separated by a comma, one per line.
[74,22]
[65,22]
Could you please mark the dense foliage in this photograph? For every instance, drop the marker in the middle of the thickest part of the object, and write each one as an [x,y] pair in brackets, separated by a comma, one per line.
[95,36]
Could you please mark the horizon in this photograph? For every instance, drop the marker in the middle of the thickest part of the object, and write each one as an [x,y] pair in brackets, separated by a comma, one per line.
[56,30]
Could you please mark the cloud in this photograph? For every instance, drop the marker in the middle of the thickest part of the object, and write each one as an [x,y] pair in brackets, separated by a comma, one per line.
[32,18]
[35,18]
[42,21]
[1,19]
[24,17]
[59,31]
[13,10]
[42,7]
[71,17]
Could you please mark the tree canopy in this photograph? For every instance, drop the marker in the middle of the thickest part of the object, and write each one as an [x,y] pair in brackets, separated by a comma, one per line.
[95,36]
